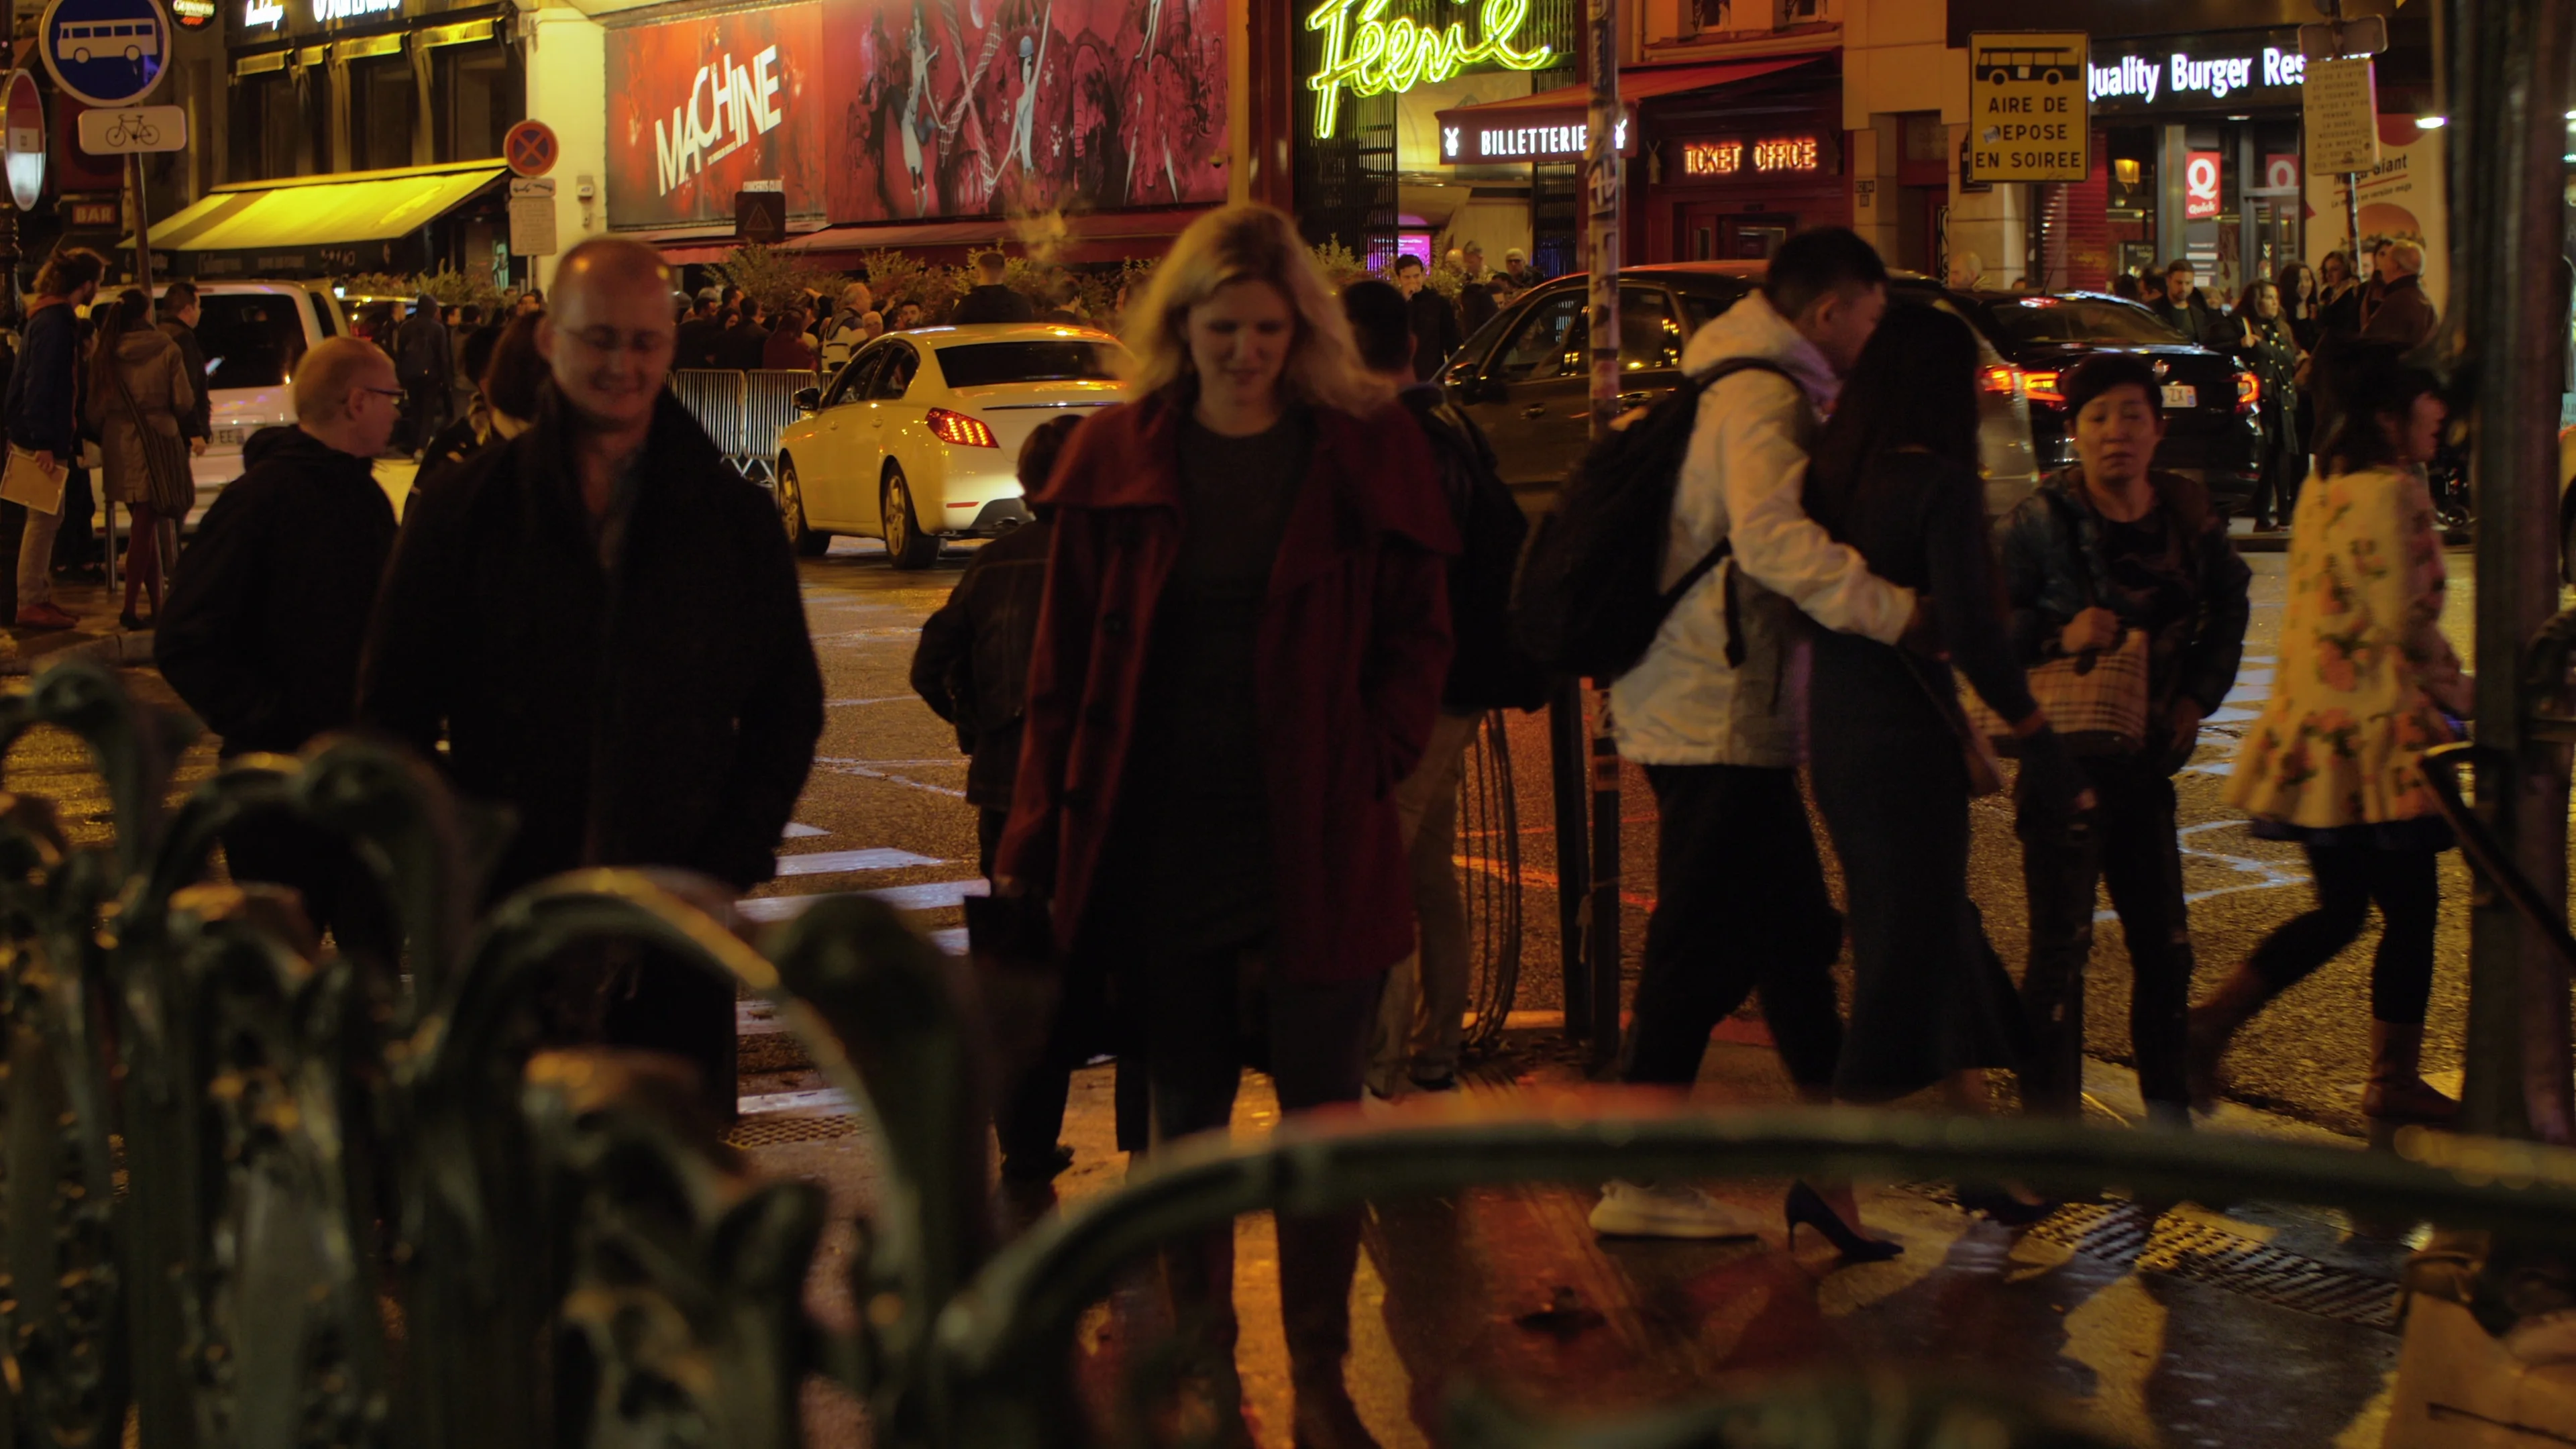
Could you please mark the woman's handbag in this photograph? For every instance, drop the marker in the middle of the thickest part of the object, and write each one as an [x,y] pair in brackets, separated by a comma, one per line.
[2096,700]
[169,487]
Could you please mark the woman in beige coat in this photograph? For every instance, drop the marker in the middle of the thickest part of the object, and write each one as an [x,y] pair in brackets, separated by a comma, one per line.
[132,352]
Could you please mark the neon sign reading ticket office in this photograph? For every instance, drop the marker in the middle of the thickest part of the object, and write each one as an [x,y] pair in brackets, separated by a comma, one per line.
[1377,55]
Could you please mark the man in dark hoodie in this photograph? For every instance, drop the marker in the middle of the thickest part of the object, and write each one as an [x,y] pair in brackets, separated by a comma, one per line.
[180,310]
[264,624]
[988,300]
[425,361]
[44,417]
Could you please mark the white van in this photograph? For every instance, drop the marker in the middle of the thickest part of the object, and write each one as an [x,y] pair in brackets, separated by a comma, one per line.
[253,335]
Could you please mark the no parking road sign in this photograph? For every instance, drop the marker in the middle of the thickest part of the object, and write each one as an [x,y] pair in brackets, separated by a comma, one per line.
[530,148]
[105,53]
[2029,106]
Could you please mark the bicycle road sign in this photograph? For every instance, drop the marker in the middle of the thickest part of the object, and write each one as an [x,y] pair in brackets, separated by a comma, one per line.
[126,129]
[2030,111]
[531,148]
[105,52]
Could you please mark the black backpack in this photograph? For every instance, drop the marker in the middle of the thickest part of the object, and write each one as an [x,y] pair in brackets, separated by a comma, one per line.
[1485,672]
[1587,604]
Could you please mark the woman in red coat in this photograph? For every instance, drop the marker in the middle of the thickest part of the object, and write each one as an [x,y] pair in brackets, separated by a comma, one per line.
[1240,654]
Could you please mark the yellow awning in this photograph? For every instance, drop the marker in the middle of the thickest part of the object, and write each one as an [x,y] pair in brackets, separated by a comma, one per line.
[353,206]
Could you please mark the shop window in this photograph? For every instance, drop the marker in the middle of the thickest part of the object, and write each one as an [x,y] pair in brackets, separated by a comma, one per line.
[382,97]
[478,97]
[268,117]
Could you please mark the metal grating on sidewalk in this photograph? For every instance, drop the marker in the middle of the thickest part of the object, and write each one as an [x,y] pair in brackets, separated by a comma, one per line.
[2177,1247]
[773,1130]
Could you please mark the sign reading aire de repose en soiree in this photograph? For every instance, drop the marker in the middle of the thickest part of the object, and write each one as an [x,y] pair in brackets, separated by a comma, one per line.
[2029,117]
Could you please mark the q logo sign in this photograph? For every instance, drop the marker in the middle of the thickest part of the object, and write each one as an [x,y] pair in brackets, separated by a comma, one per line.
[2200,185]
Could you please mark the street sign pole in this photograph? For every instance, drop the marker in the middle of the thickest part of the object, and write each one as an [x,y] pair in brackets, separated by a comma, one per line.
[142,224]
[2507,326]
[1601,249]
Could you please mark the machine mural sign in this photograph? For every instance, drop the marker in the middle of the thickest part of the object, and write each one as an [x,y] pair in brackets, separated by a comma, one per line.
[708,103]
[991,107]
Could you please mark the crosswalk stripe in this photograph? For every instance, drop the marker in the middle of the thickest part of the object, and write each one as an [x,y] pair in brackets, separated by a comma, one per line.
[798,831]
[837,862]
[928,896]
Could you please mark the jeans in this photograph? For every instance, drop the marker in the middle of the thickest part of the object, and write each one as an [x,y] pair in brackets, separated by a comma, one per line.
[2407,886]
[2127,844]
[36,558]
[1740,906]
[1422,1015]
[1205,1017]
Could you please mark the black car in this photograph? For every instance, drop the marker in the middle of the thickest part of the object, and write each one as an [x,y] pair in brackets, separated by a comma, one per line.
[2212,432]
[1526,374]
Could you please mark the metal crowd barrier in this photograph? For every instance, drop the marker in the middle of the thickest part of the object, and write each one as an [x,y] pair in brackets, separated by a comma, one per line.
[742,412]
[253,1192]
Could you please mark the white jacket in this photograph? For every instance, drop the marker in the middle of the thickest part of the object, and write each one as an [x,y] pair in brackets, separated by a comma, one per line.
[1742,480]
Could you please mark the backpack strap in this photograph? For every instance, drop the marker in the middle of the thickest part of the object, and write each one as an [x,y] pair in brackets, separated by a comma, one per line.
[1725,368]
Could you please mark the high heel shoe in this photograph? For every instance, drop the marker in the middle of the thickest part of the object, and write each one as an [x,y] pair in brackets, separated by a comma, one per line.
[1807,1208]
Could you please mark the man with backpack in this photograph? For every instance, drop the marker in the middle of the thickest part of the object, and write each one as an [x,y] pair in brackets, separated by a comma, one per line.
[1715,707]
[1416,1039]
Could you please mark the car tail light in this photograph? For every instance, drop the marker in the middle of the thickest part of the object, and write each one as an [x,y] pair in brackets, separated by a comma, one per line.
[2249,392]
[2041,387]
[964,430]
[2001,381]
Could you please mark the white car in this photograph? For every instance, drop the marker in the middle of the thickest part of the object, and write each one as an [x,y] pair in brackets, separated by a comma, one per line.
[915,439]
[253,335]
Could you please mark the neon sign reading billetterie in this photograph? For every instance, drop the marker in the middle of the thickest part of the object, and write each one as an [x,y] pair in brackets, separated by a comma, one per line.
[1377,55]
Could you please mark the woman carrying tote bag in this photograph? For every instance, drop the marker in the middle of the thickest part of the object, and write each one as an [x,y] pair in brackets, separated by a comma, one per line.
[139,391]
[2112,554]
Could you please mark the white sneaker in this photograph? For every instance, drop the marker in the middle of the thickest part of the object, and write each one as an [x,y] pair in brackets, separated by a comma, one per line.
[1636,1210]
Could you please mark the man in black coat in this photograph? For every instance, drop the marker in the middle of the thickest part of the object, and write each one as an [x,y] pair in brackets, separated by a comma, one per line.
[603,621]
[2399,312]
[988,300]
[425,360]
[702,334]
[746,341]
[1435,322]
[2186,311]
[180,310]
[268,612]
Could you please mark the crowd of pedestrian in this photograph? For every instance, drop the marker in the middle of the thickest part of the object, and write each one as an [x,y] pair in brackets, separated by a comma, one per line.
[1216,694]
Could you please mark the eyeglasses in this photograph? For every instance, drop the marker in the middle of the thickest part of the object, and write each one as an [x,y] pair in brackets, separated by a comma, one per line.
[383,391]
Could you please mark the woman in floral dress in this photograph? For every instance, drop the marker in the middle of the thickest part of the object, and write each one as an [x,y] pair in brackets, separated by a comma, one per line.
[2366,684]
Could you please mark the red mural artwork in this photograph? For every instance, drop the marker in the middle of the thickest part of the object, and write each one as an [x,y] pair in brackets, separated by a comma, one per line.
[943,108]
[699,107]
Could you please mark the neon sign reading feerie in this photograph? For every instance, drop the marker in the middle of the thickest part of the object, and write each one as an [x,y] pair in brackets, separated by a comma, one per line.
[1371,55]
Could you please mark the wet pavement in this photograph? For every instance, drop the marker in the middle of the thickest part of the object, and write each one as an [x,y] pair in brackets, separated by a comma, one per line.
[2258,1324]
[2262,1324]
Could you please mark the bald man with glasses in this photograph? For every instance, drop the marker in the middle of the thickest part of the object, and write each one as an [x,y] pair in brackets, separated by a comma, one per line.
[265,622]
[602,621]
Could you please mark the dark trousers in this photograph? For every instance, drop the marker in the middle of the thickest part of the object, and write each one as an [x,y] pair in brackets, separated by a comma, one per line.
[1206,1016]
[340,895]
[74,543]
[1740,906]
[1030,1116]
[2127,844]
[2407,886]
[424,412]
[661,1004]
[2276,488]
[13,526]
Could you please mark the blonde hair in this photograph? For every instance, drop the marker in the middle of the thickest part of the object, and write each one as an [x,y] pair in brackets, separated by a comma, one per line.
[2408,255]
[1248,243]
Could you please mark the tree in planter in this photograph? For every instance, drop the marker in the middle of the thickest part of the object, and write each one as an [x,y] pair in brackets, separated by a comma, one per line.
[453,288]
[773,277]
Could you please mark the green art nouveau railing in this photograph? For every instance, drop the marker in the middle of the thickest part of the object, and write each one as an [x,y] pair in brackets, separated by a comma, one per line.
[256,1194]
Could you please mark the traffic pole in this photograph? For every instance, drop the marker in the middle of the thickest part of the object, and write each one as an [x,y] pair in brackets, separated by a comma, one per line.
[142,224]
[2507,331]
[1601,249]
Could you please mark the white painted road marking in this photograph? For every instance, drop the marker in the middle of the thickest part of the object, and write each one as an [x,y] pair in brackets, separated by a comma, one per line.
[837,862]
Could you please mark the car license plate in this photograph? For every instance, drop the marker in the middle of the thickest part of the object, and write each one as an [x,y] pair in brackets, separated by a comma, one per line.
[227,438]
[2181,395]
